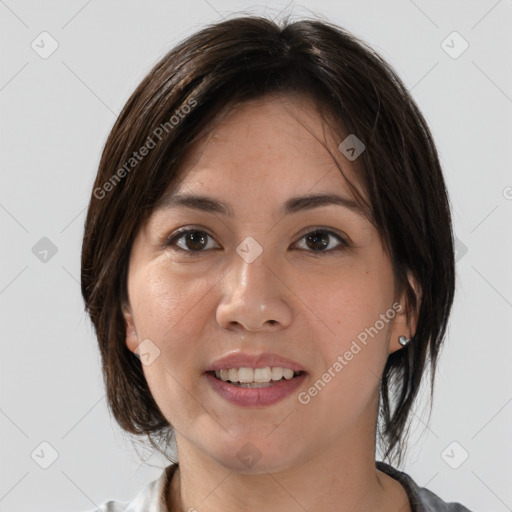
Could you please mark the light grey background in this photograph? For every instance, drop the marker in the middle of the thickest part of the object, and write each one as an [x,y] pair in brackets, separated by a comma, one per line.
[55,116]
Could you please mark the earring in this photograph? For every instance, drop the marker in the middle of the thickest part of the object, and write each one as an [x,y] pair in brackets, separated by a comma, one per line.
[403,341]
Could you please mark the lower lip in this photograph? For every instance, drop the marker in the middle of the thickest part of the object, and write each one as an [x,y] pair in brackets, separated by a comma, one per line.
[255,397]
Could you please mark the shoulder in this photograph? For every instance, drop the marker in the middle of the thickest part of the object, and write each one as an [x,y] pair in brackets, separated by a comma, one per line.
[422,500]
[152,498]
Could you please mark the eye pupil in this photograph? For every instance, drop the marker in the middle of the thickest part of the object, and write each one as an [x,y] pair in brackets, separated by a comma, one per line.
[195,240]
[318,240]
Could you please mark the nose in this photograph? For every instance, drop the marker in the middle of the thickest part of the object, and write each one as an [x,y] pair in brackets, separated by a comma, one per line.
[254,297]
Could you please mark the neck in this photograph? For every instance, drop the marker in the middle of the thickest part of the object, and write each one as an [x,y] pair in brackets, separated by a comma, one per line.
[339,480]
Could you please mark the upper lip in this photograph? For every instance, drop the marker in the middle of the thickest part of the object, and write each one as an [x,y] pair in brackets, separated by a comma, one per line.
[244,360]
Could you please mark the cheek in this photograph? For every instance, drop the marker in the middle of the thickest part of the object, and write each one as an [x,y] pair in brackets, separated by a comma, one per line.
[353,354]
[170,305]
[171,313]
[346,301]
[353,317]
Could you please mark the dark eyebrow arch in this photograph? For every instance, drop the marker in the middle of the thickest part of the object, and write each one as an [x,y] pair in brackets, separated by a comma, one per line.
[292,205]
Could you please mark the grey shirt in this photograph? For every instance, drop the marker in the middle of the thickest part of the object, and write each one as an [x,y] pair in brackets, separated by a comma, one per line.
[153,497]
[422,500]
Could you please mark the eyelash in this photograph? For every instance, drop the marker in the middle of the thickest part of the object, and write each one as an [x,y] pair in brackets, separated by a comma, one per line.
[177,235]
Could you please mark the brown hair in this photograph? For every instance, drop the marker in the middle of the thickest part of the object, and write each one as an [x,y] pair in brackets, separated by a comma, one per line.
[187,90]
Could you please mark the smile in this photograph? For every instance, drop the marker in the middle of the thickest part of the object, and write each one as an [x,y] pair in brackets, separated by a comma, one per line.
[255,387]
[255,377]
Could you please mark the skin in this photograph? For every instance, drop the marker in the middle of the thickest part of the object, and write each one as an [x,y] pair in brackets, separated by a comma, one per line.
[293,300]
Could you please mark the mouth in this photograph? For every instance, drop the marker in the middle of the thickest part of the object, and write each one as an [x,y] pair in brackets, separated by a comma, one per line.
[246,377]
[255,387]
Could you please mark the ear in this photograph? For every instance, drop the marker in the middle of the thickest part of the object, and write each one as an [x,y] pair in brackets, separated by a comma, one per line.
[132,341]
[406,319]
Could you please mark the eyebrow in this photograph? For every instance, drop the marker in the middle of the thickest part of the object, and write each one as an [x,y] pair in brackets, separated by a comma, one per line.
[292,205]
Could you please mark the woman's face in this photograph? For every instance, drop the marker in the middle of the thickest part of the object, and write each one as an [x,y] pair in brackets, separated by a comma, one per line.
[277,282]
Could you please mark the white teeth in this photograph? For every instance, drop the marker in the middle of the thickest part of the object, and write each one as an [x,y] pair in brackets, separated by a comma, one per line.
[277,373]
[263,374]
[244,374]
[254,375]
[287,373]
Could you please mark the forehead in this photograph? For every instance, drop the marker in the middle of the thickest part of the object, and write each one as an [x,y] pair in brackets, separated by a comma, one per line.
[272,146]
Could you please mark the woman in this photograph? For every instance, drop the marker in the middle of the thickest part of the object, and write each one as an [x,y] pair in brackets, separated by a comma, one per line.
[268,264]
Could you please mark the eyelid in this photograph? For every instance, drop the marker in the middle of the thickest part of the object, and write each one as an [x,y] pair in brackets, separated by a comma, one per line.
[327,229]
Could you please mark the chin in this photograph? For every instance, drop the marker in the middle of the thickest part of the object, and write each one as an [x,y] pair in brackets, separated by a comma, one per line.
[256,454]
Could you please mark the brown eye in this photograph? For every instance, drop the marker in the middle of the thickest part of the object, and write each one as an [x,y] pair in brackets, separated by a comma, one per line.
[321,240]
[318,240]
[195,240]
[190,240]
